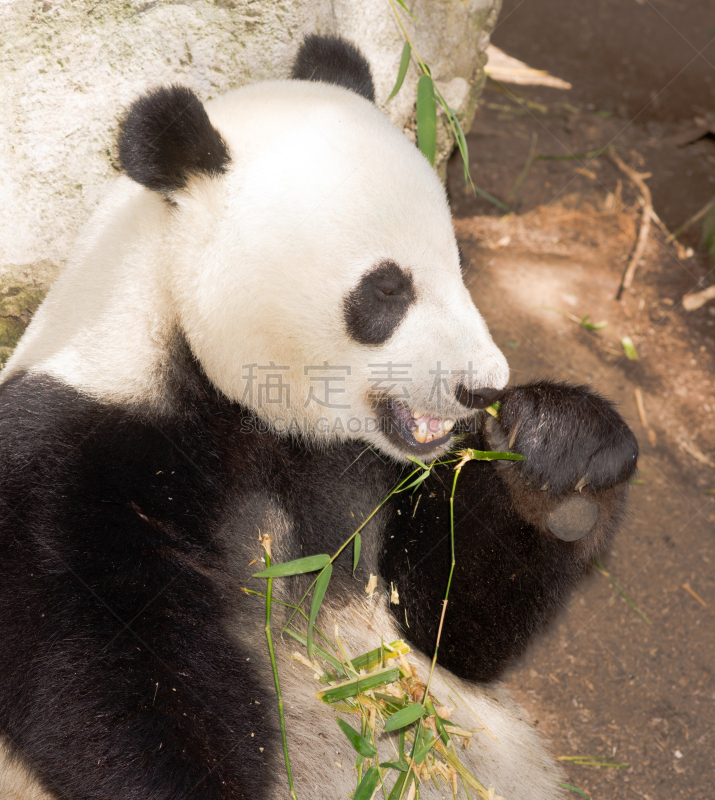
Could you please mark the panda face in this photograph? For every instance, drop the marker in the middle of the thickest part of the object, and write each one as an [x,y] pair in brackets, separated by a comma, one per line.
[305,250]
[318,279]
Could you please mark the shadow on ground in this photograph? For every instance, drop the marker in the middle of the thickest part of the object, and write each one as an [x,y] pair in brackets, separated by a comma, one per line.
[602,681]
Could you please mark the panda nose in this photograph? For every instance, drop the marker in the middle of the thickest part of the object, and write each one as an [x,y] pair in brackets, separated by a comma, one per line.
[477,398]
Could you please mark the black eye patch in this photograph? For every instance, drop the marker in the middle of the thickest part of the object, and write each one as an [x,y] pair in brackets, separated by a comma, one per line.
[376,306]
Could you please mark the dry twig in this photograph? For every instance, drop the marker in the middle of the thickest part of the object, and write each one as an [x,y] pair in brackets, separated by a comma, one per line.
[638,179]
[693,301]
[694,594]
[691,221]
[640,405]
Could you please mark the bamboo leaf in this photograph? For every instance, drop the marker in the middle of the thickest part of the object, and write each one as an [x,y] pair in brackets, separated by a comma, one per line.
[400,766]
[321,586]
[463,149]
[297,567]
[427,744]
[357,546]
[406,716]
[426,118]
[491,455]
[350,688]
[402,4]
[575,789]
[404,63]
[362,745]
[368,784]
[401,785]
[443,735]
[592,326]
[373,658]
[629,348]
[417,481]
[337,666]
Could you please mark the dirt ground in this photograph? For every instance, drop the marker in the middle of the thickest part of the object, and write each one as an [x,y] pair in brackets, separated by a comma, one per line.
[602,681]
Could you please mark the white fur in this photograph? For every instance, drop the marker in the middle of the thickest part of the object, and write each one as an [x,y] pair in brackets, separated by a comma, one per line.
[253,266]
[16,781]
[506,751]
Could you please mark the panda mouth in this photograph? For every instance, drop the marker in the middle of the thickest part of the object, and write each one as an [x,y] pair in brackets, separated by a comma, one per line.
[416,429]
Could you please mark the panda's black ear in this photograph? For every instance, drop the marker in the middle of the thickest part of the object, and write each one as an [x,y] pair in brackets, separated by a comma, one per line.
[331,59]
[166,136]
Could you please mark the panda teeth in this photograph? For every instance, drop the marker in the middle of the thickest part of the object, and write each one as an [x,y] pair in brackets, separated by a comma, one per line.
[420,432]
[429,428]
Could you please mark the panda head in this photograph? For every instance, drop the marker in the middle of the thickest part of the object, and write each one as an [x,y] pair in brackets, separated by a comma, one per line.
[310,257]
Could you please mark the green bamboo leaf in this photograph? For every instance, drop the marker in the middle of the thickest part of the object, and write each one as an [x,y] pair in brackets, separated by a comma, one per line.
[491,455]
[575,789]
[463,149]
[400,766]
[362,745]
[321,586]
[368,784]
[373,658]
[392,704]
[443,735]
[334,663]
[357,546]
[427,745]
[426,118]
[592,326]
[629,348]
[341,691]
[402,784]
[402,3]
[406,716]
[297,567]
[417,481]
[404,63]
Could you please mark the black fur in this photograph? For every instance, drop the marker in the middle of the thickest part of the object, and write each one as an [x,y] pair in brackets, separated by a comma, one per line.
[514,562]
[166,136]
[119,676]
[377,305]
[568,434]
[331,59]
[477,398]
[509,578]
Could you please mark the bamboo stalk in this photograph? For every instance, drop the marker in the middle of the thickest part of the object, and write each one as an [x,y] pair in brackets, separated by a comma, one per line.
[266,542]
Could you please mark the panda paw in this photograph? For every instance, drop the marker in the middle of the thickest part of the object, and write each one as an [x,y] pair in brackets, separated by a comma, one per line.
[572,439]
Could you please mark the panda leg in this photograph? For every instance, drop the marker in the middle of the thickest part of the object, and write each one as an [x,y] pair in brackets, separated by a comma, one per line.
[524,531]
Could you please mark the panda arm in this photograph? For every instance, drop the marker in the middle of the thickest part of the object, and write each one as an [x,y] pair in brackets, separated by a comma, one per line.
[524,531]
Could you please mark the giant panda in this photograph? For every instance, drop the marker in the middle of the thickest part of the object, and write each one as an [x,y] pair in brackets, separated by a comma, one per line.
[262,324]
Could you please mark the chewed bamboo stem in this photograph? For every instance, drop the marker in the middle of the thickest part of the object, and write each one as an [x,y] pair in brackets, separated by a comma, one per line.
[266,543]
